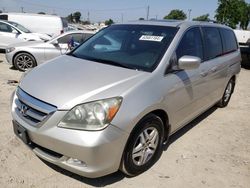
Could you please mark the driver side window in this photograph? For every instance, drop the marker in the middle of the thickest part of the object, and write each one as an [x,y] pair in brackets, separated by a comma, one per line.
[65,39]
[191,44]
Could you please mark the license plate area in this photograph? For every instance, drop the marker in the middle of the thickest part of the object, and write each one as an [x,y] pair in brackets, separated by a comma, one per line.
[21,132]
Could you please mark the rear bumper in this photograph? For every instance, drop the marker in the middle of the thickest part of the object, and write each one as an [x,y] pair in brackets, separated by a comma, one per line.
[87,153]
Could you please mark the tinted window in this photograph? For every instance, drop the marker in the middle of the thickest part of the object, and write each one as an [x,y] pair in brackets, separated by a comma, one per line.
[132,46]
[229,40]
[65,39]
[5,28]
[78,37]
[22,28]
[87,35]
[4,17]
[213,46]
[191,44]
[64,22]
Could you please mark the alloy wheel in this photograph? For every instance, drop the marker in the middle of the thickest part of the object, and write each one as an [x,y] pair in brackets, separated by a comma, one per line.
[145,146]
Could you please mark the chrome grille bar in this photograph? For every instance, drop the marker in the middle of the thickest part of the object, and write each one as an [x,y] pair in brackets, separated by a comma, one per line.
[32,110]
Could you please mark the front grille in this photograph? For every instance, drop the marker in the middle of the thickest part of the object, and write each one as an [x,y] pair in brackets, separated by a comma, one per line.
[32,110]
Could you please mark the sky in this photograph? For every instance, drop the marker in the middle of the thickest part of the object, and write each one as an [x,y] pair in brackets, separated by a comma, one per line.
[118,10]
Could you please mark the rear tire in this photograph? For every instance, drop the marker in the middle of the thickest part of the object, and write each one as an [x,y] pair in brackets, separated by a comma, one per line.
[24,61]
[227,94]
[144,146]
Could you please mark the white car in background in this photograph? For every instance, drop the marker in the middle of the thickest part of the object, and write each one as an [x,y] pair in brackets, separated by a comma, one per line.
[12,32]
[243,37]
[30,54]
[48,24]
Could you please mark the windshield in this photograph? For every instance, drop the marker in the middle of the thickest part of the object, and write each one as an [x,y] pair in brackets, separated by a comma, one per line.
[22,28]
[138,47]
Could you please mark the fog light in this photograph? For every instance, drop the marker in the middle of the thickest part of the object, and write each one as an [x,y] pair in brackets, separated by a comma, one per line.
[76,162]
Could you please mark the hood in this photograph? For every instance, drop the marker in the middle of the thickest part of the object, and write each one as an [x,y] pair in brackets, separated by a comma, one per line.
[27,44]
[68,81]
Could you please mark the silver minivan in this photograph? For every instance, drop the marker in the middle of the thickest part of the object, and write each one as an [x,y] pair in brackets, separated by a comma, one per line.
[114,101]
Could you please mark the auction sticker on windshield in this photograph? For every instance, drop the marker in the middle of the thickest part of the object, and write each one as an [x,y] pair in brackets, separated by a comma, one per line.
[151,38]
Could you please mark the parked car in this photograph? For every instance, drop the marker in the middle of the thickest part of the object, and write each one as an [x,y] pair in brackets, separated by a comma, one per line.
[30,54]
[243,38]
[97,110]
[11,32]
[47,24]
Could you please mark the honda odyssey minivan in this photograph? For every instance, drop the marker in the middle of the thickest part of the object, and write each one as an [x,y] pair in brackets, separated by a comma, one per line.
[114,101]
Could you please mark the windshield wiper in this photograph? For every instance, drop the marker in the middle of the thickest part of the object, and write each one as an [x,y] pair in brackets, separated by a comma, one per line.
[110,62]
[71,54]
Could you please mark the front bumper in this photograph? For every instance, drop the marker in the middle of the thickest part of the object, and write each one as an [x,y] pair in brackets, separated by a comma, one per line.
[9,57]
[99,152]
[245,49]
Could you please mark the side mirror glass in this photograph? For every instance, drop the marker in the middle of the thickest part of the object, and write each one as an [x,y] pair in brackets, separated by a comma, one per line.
[15,31]
[189,62]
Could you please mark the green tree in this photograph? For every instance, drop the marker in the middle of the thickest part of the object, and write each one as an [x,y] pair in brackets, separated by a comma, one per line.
[109,22]
[176,15]
[77,16]
[233,12]
[204,18]
[244,15]
[70,18]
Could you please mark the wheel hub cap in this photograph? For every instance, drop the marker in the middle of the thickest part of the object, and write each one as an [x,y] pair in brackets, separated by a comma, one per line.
[24,62]
[145,146]
[228,92]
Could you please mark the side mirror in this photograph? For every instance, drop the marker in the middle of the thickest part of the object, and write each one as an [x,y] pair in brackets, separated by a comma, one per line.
[189,62]
[15,32]
[55,42]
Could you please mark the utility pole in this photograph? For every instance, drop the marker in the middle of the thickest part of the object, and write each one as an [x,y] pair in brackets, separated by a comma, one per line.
[122,17]
[189,14]
[22,10]
[147,12]
[88,16]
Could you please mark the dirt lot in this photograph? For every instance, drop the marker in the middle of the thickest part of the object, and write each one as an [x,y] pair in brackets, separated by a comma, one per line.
[212,151]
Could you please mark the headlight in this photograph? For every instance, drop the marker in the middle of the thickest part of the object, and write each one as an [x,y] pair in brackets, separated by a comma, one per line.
[92,116]
[8,50]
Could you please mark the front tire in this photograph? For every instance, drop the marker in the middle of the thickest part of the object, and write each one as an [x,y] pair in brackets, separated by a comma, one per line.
[144,146]
[227,94]
[24,61]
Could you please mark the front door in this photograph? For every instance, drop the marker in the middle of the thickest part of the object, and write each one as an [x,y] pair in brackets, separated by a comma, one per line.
[187,86]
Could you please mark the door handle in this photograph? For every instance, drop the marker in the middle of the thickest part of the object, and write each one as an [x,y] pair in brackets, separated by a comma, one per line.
[204,74]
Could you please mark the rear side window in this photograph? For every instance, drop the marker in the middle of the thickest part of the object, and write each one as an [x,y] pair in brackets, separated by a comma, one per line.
[228,40]
[191,44]
[213,45]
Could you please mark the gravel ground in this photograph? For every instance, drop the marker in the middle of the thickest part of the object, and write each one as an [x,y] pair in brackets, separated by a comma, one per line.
[212,151]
